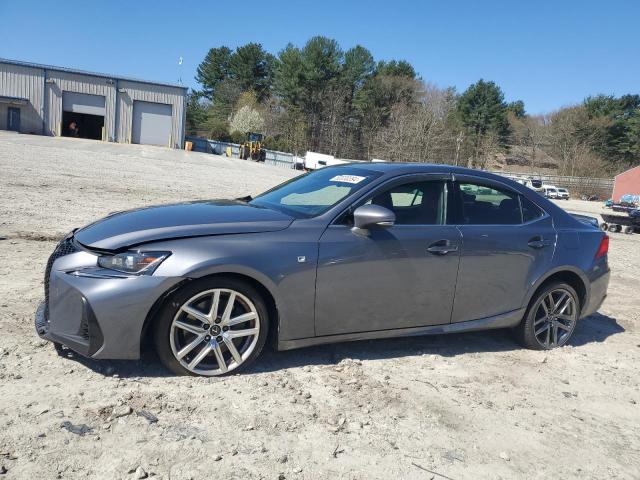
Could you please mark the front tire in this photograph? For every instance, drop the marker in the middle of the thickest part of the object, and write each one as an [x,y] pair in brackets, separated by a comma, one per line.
[212,327]
[551,317]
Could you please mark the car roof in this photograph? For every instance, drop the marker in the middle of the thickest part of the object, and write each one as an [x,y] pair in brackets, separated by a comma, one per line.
[399,168]
[411,167]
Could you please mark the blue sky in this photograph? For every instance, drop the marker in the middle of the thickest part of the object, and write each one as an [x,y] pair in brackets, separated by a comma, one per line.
[547,53]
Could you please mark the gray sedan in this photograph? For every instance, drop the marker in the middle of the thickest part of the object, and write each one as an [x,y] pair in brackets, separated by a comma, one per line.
[352,252]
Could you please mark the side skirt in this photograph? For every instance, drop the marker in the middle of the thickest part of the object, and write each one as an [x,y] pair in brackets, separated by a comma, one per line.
[504,320]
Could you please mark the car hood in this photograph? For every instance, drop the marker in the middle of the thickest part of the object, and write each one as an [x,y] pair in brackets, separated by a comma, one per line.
[192,219]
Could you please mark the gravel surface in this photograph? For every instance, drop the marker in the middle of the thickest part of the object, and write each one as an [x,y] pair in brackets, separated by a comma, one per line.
[51,185]
[466,406]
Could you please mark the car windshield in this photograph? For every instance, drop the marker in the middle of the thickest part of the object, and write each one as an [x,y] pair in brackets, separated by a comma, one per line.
[316,192]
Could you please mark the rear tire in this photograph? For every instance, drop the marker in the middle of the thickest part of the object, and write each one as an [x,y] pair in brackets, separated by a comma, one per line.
[551,317]
[197,333]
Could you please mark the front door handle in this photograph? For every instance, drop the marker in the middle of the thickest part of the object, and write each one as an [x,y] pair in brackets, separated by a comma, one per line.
[442,247]
[539,242]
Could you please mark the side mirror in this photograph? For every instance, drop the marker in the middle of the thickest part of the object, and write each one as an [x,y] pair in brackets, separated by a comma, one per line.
[368,216]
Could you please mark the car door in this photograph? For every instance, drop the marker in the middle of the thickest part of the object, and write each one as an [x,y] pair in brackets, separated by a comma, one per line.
[395,277]
[507,243]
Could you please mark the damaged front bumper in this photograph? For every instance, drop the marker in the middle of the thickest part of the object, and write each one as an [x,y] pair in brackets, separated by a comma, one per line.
[86,341]
[97,313]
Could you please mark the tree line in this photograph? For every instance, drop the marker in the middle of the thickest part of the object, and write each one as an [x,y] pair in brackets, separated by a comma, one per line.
[322,98]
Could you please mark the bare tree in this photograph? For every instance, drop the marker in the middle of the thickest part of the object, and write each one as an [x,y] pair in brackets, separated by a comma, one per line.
[418,131]
[530,133]
[571,142]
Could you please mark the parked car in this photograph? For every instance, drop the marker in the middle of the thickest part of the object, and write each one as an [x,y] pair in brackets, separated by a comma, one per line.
[562,194]
[550,191]
[339,254]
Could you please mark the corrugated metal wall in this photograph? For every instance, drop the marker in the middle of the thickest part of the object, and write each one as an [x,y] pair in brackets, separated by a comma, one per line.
[23,82]
[29,82]
[150,93]
[58,82]
[279,159]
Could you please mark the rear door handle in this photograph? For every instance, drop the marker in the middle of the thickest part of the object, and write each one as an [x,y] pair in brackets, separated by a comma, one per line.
[539,242]
[442,247]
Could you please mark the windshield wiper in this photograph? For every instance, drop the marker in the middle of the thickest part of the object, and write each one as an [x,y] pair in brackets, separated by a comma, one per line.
[246,199]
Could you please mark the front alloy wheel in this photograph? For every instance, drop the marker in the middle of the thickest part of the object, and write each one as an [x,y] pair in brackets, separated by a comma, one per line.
[212,331]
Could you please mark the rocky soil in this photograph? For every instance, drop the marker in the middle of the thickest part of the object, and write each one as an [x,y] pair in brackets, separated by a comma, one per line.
[467,406]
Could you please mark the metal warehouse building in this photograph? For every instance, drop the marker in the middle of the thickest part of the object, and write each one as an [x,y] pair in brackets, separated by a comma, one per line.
[46,100]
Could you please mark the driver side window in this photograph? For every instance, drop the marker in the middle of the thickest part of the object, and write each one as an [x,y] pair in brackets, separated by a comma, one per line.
[415,203]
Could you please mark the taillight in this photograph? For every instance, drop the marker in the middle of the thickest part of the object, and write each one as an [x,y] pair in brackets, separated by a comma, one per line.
[603,249]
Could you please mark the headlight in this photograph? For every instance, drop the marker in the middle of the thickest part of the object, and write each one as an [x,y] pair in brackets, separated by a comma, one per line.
[133,262]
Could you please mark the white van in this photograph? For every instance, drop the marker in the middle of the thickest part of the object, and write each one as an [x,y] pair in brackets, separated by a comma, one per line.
[314,160]
[550,191]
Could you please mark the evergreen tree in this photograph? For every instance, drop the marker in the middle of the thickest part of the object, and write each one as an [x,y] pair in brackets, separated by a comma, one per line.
[482,111]
[517,108]
[252,68]
[196,114]
[213,69]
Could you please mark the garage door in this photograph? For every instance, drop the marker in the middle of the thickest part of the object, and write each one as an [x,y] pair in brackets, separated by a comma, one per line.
[83,103]
[151,123]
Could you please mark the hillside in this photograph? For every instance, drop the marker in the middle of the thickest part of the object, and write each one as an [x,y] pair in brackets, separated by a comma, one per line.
[518,159]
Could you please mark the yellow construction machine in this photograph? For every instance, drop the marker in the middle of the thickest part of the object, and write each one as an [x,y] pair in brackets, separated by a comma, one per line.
[253,148]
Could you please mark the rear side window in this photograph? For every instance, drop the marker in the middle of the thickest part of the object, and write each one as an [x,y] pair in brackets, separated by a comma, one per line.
[482,205]
[530,211]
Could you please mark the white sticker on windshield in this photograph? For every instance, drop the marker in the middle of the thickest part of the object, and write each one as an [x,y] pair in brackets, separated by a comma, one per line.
[347,179]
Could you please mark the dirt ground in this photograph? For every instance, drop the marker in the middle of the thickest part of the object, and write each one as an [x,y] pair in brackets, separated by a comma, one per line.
[468,406]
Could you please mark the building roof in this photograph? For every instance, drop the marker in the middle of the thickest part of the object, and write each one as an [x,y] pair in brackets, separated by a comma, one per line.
[83,72]
[14,100]
[628,171]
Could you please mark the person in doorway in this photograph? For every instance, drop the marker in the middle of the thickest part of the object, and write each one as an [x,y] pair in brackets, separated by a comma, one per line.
[73,129]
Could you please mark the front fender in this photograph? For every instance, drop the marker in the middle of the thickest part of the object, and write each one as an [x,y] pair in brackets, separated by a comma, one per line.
[216,266]
[283,262]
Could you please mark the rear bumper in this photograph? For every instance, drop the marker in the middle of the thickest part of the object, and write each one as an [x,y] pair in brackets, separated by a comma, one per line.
[98,316]
[597,293]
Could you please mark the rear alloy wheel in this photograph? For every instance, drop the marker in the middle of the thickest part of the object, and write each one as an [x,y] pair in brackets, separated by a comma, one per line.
[551,318]
[212,331]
